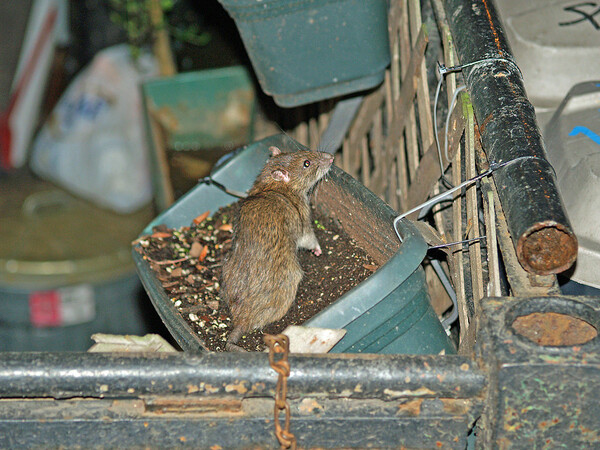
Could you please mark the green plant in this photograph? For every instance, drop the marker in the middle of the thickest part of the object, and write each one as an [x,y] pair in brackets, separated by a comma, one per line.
[135,18]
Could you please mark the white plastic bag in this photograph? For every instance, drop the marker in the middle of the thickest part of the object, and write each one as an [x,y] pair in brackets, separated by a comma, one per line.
[93,143]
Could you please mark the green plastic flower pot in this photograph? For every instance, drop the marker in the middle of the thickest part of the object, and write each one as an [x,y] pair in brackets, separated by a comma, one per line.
[304,51]
[389,312]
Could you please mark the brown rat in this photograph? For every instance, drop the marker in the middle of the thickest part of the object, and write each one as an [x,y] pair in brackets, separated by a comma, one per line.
[261,276]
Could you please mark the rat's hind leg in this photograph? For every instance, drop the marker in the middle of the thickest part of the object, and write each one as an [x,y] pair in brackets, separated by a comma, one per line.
[309,240]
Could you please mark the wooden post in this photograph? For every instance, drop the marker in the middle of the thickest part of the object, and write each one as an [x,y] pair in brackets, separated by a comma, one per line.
[162,43]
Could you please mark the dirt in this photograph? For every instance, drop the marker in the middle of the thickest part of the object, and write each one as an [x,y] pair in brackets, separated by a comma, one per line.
[188,260]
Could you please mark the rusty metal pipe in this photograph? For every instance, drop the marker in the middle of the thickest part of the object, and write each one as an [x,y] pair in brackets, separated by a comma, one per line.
[543,237]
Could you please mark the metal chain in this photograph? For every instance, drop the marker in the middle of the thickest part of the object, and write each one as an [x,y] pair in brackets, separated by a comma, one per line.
[280,344]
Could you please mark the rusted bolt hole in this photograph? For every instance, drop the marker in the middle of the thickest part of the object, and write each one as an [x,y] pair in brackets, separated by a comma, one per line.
[554,329]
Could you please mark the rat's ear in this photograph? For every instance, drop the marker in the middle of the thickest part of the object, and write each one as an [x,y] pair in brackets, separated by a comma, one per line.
[281,175]
[274,150]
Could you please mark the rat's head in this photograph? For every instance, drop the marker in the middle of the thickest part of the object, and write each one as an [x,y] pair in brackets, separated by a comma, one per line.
[300,170]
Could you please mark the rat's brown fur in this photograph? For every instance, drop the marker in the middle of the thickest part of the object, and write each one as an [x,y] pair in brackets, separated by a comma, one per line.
[261,276]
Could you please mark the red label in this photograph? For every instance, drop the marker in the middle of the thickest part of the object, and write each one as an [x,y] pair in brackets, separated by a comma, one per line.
[45,308]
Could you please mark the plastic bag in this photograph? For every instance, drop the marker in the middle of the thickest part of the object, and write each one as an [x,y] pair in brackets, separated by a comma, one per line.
[93,143]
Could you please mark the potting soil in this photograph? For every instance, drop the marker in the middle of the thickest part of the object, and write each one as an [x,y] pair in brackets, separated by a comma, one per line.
[187,261]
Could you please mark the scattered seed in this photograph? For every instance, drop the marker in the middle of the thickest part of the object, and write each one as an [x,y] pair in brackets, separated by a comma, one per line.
[201,218]
[203,253]
[161,235]
[143,241]
[214,305]
[196,249]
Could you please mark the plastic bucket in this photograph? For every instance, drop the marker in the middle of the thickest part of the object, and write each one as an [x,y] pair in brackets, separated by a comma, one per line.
[65,269]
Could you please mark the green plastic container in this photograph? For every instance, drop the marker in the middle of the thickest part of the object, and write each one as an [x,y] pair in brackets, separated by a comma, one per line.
[65,269]
[204,109]
[390,312]
[200,116]
[304,51]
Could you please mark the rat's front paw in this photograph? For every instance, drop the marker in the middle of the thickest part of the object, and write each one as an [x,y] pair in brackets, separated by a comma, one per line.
[317,250]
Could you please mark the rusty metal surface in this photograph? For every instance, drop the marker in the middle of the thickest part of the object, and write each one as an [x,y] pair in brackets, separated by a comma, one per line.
[322,423]
[522,283]
[519,392]
[540,230]
[226,400]
[548,247]
[554,329]
[539,395]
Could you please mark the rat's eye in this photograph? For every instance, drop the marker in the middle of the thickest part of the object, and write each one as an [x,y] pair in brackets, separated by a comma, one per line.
[306,163]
